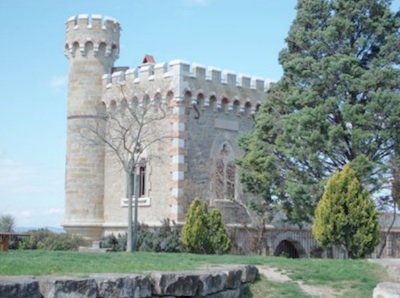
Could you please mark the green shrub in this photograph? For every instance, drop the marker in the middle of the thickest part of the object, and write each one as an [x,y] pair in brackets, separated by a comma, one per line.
[165,238]
[46,240]
[220,240]
[196,230]
[346,216]
[204,232]
[34,238]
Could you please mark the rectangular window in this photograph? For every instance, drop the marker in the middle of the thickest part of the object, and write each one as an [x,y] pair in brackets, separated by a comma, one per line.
[142,180]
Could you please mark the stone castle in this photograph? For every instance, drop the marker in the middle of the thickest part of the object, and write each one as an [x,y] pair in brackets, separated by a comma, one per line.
[206,109]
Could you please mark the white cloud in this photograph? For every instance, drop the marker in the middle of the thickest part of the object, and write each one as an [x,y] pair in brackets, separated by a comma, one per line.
[58,82]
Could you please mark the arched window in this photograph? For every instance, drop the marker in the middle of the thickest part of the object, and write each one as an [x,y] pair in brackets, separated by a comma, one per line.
[224,180]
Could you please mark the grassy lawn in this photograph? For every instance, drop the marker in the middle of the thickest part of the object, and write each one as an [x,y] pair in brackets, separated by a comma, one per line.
[355,278]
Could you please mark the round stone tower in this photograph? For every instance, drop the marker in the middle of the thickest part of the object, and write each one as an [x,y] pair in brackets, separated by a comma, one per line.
[92,46]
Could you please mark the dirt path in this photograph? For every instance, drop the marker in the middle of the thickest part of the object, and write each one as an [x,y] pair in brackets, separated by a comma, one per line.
[273,274]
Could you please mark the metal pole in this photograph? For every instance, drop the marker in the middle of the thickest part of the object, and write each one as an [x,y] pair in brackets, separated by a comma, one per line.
[129,242]
[135,225]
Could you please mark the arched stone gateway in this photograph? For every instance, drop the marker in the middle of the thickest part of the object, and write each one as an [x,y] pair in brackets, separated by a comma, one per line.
[290,242]
[290,249]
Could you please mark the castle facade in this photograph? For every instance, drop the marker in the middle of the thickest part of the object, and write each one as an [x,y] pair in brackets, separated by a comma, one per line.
[205,110]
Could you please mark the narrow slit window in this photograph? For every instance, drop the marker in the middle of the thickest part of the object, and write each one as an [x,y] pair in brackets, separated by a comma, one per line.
[142,180]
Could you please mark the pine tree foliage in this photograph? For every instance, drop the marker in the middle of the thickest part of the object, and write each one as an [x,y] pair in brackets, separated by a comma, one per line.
[346,216]
[204,232]
[337,102]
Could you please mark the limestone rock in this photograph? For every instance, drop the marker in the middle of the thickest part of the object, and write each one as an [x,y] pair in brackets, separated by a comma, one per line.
[387,290]
[249,274]
[67,287]
[117,285]
[232,293]
[19,287]
[175,284]
[211,282]
[234,278]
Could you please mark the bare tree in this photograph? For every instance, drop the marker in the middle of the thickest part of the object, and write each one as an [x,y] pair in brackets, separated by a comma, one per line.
[7,223]
[128,130]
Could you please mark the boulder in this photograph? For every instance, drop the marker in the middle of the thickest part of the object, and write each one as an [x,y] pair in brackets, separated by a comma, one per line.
[19,287]
[386,290]
[249,274]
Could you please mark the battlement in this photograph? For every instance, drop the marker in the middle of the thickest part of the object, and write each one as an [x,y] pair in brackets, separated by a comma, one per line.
[92,22]
[151,72]
[207,87]
[102,33]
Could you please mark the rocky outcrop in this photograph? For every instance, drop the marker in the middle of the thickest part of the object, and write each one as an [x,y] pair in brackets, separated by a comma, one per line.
[213,282]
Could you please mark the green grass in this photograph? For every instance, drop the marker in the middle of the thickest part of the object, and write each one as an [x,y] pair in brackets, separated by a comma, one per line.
[351,278]
[263,288]
[355,278]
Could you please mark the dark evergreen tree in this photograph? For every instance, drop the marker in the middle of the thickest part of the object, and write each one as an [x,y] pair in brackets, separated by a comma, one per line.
[346,216]
[337,102]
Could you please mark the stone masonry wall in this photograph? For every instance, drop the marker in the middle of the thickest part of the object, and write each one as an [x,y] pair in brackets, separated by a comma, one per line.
[224,282]
[224,106]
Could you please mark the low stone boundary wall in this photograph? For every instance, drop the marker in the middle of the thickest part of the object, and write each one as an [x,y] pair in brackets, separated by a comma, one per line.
[212,282]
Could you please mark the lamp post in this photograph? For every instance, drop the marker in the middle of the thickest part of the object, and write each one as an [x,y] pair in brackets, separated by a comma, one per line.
[131,244]
[136,194]
[134,179]
[131,185]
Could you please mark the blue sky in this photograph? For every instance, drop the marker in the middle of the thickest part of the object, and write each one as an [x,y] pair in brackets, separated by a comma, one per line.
[242,35]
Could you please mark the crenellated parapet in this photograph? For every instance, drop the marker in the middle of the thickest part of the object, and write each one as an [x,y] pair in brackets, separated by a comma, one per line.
[208,88]
[86,33]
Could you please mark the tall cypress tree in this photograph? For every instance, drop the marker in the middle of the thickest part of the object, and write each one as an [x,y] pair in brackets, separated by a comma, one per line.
[336,103]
